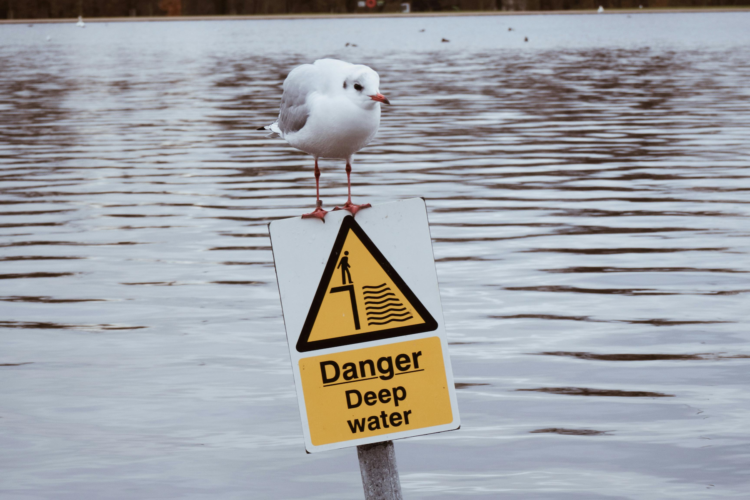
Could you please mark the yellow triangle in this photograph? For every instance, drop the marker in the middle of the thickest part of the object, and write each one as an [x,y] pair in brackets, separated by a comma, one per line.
[361,297]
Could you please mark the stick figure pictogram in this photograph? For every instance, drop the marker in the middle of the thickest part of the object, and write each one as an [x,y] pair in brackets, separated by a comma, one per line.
[344,265]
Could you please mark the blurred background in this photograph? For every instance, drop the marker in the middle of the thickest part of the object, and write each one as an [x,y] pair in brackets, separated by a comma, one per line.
[42,9]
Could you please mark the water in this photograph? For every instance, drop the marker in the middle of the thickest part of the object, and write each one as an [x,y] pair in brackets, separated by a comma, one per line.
[588,193]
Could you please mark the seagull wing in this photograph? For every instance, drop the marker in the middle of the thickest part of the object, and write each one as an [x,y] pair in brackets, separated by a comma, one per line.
[301,82]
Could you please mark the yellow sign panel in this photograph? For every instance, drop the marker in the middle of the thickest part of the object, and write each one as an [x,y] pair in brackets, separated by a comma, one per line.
[360,297]
[374,391]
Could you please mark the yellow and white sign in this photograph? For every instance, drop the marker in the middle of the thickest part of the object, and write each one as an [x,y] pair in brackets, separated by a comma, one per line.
[365,326]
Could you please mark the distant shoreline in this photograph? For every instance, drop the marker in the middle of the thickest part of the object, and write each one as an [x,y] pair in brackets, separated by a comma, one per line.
[260,17]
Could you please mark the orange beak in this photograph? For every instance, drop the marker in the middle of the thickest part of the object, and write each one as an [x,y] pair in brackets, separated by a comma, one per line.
[380,98]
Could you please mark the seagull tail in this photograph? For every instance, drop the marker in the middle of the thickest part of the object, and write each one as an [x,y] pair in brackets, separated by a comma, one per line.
[273,128]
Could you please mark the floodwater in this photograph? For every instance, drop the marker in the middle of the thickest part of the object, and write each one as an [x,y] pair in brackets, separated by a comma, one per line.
[588,193]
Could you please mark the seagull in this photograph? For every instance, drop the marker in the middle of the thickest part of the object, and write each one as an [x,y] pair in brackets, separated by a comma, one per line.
[601,9]
[330,109]
[80,22]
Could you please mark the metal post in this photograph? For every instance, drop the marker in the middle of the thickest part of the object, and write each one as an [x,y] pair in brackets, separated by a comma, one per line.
[377,463]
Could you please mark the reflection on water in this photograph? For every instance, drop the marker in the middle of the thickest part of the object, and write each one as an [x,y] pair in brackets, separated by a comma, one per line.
[571,432]
[641,357]
[588,195]
[583,391]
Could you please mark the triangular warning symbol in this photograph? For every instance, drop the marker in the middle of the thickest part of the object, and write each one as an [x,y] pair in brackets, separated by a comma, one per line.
[360,297]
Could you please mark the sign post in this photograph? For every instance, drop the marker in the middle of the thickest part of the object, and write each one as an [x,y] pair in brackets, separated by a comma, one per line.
[377,464]
[365,330]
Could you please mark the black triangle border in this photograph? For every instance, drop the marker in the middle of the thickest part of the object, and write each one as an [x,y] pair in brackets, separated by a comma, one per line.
[303,345]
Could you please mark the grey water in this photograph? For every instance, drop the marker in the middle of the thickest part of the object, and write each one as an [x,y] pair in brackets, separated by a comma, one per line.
[588,194]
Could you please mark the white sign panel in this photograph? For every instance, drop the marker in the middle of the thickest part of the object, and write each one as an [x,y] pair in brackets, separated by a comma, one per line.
[365,325]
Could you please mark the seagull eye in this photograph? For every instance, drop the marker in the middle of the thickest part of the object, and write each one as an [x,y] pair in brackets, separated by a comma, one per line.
[344,84]
[358,87]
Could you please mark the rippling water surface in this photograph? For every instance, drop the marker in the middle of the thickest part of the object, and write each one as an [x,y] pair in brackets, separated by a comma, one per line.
[588,192]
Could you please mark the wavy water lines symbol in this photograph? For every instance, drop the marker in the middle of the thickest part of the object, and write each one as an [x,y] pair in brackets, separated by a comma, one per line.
[382,306]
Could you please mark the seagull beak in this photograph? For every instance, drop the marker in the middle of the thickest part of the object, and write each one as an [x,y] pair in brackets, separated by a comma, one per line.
[380,98]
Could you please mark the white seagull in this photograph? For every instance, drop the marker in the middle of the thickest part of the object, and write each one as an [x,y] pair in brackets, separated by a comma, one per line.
[80,22]
[330,109]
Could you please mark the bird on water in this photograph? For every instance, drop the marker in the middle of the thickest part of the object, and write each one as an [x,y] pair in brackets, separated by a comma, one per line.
[330,109]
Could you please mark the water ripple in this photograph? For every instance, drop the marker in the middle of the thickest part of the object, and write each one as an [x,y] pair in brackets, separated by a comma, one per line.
[588,194]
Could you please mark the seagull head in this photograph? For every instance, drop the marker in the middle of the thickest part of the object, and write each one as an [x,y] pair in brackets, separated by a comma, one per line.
[361,86]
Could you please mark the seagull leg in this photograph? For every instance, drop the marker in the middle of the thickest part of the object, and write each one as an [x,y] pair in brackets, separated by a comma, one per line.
[318,213]
[351,207]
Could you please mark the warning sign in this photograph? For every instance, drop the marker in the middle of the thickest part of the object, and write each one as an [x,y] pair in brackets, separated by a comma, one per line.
[365,327]
[361,297]
[376,391]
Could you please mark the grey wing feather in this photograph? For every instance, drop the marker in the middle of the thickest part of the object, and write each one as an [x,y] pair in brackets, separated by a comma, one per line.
[301,82]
